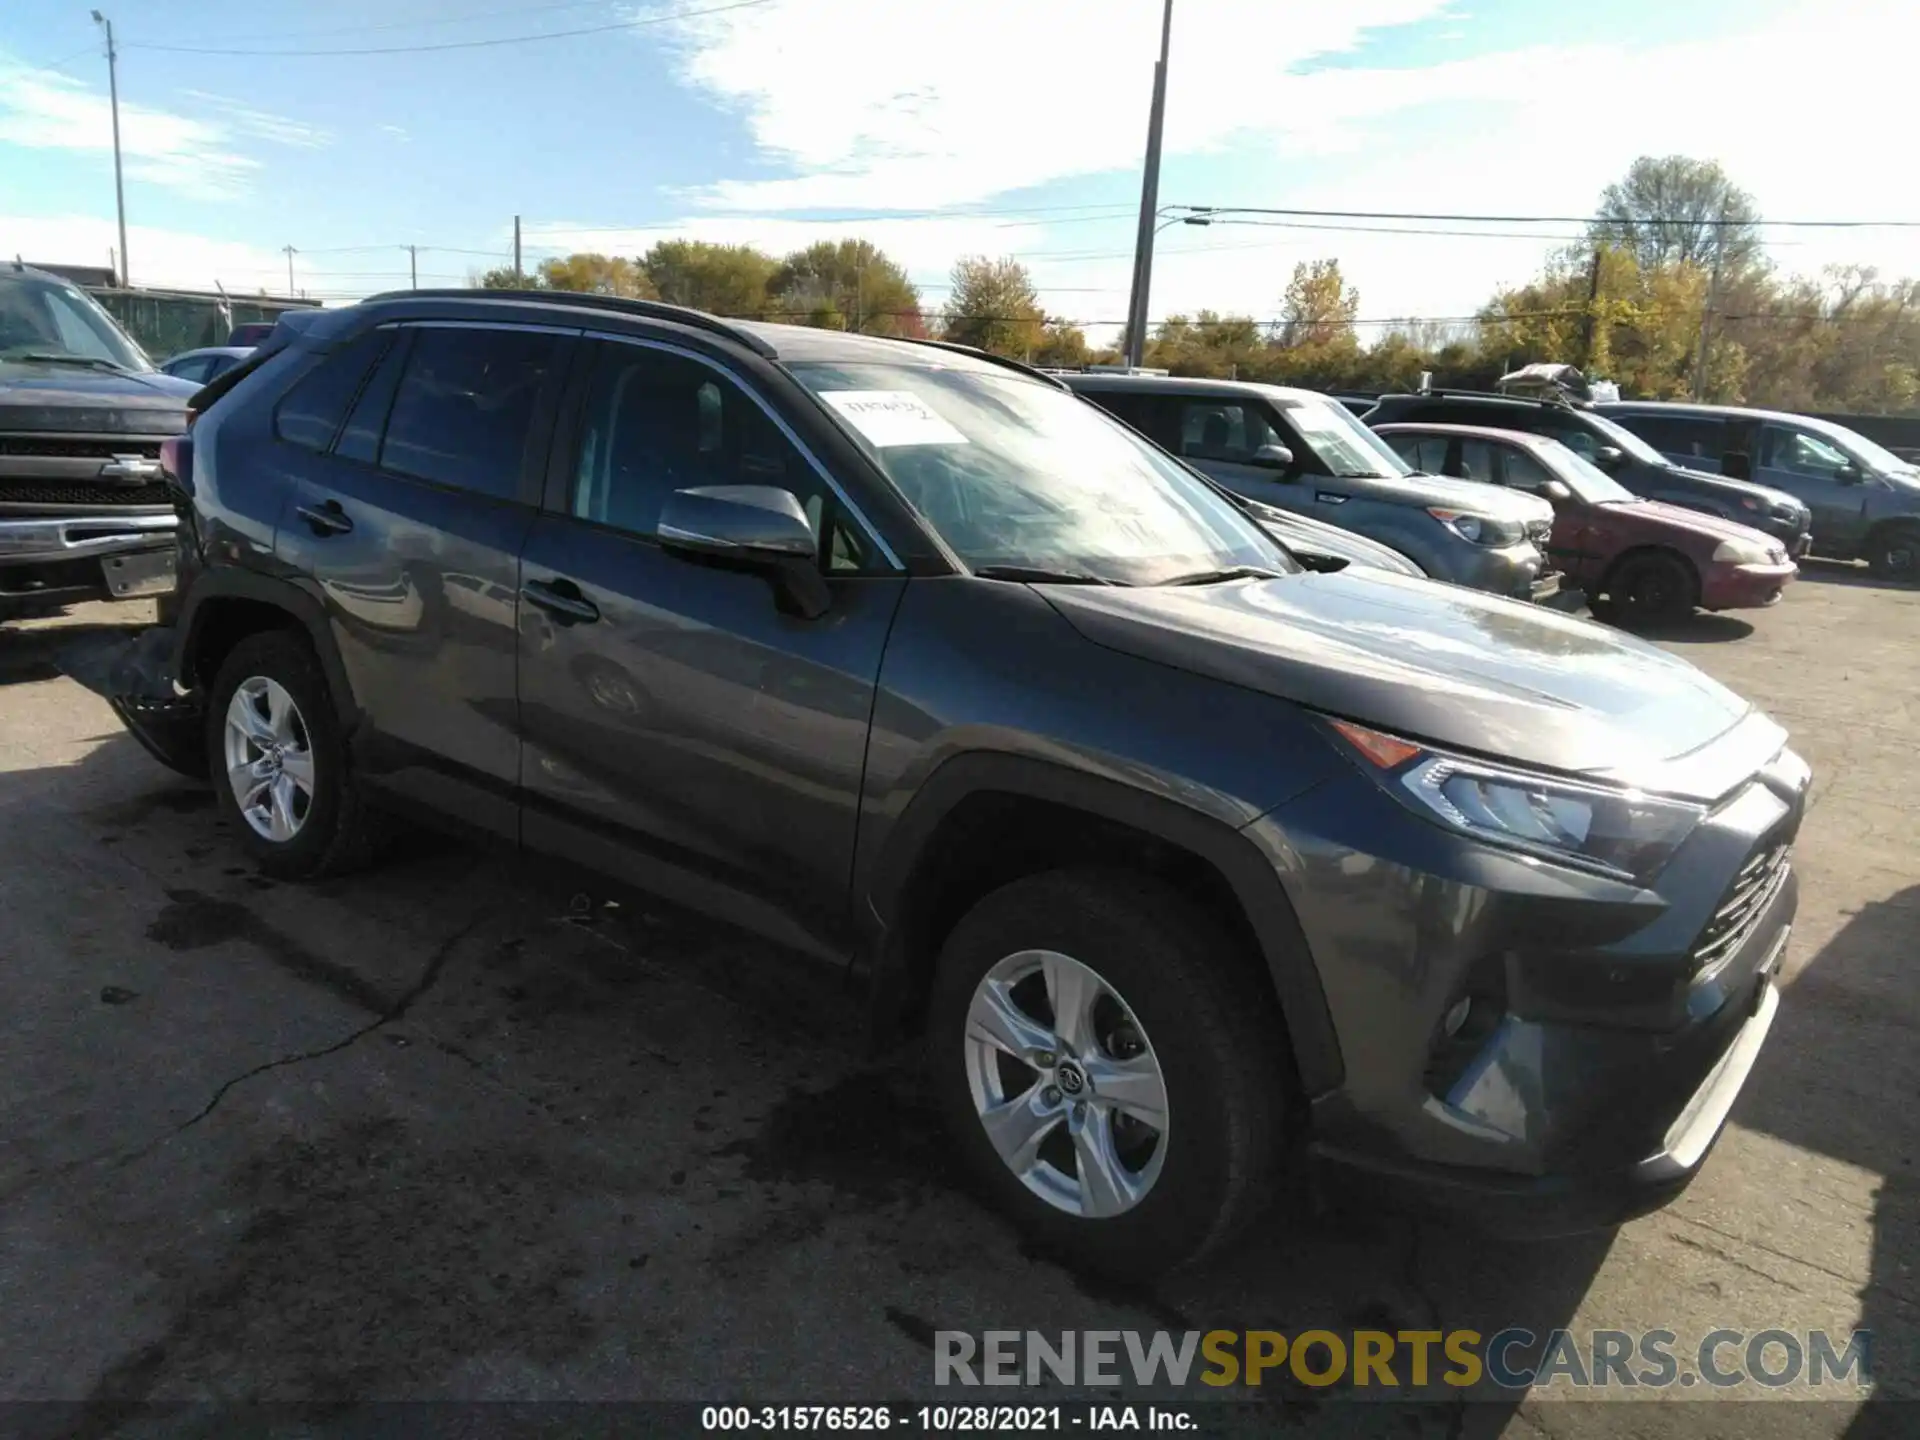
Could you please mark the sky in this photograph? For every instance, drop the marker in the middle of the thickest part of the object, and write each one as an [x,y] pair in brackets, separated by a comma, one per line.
[935,128]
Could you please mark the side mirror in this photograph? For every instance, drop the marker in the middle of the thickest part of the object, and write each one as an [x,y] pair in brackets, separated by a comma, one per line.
[1554,492]
[1850,475]
[751,524]
[756,527]
[1272,457]
[1608,456]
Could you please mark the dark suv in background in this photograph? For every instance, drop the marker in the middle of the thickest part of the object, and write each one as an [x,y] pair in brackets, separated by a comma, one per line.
[1188,864]
[1600,441]
[1865,499]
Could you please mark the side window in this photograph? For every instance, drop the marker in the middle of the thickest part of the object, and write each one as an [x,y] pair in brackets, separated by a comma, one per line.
[1577,438]
[1800,453]
[1476,460]
[1689,437]
[1135,410]
[194,369]
[310,413]
[368,421]
[463,410]
[656,422]
[1425,453]
[1521,470]
[1219,430]
[218,364]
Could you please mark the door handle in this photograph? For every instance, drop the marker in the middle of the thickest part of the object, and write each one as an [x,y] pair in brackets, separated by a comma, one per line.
[561,599]
[326,518]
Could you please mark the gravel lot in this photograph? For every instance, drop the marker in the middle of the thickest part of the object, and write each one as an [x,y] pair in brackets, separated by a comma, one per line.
[461,1128]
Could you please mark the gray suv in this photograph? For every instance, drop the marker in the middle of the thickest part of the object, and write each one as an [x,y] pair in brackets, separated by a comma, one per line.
[1304,451]
[1865,499]
[1190,868]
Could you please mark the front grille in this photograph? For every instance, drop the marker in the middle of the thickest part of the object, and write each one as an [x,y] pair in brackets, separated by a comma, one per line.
[62,447]
[1746,900]
[67,492]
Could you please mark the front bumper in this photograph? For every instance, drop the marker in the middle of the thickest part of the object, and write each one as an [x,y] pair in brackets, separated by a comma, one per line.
[1744,587]
[63,559]
[1608,1026]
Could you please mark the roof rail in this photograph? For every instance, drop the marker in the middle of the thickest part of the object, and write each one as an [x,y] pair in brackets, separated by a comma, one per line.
[988,356]
[1569,402]
[646,309]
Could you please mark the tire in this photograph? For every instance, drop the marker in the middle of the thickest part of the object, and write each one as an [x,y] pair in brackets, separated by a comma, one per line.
[329,831]
[1203,1021]
[1894,554]
[1652,587]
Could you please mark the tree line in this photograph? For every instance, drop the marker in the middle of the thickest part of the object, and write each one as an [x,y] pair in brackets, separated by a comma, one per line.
[1669,294]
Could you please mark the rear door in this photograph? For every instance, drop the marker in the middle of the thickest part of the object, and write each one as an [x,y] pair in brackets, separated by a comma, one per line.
[680,728]
[410,517]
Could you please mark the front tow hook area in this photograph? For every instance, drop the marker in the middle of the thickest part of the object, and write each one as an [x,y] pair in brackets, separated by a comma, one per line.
[135,676]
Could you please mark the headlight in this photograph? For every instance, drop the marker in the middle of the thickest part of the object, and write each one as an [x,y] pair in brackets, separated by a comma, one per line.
[1600,827]
[1480,529]
[1742,552]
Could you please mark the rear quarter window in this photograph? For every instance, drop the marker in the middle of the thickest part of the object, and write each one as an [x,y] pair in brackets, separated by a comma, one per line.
[309,415]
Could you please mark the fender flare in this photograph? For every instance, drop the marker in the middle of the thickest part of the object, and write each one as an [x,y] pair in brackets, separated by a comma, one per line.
[1288,961]
[300,605]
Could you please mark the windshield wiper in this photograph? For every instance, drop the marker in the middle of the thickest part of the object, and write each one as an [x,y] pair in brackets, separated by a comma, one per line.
[50,358]
[1232,572]
[1039,575]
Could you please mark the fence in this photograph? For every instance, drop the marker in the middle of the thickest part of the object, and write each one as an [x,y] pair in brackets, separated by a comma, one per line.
[165,322]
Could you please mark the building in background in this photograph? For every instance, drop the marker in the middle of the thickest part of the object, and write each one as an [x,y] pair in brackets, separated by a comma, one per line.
[165,322]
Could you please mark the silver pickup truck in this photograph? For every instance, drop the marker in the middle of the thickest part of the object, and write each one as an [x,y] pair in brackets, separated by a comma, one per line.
[84,510]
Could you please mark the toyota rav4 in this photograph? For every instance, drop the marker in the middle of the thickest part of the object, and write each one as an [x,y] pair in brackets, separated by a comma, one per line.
[1189,866]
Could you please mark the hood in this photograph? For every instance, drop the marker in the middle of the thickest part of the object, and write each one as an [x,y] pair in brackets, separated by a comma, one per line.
[1314,537]
[1457,667]
[35,396]
[1733,489]
[1473,496]
[1658,515]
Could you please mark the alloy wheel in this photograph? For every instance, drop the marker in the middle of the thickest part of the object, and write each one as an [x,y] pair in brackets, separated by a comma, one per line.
[1066,1084]
[269,758]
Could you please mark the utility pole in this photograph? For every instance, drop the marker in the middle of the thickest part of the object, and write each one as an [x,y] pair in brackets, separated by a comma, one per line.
[1593,304]
[1149,200]
[1706,315]
[119,186]
[516,249]
[290,254]
[413,267]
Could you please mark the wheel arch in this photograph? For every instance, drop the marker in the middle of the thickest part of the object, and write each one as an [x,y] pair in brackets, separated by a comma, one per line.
[981,821]
[1645,551]
[226,606]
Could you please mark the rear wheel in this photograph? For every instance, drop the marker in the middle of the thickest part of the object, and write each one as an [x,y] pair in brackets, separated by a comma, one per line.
[1109,1068]
[279,761]
[1894,553]
[1651,588]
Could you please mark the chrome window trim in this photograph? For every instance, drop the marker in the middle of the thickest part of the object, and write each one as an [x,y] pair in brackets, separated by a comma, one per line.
[478,325]
[867,527]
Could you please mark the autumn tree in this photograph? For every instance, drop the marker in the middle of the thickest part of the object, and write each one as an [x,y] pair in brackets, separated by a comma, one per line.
[1063,345]
[720,279]
[1673,210]
[846,284]
[594,274]
[1319,307]
[993,306]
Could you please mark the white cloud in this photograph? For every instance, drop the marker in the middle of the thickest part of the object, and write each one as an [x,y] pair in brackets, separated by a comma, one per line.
[198,156]
[162,258]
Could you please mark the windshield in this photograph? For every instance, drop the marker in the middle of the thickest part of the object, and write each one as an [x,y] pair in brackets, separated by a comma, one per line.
[1869,455]
[51,318]
[1618,434]
[1588,481]
[1012,473]
[1342,443]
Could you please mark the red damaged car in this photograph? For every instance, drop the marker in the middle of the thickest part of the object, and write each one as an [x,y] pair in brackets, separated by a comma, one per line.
[1640,561]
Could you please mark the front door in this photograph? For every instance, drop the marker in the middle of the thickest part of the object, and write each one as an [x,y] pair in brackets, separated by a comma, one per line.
[679,726]
[410,517]
[1221,436]
[1810,467]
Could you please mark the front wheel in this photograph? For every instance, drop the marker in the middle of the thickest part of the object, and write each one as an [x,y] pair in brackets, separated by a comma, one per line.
[1111,1070]
[1652,588]
[1894,554]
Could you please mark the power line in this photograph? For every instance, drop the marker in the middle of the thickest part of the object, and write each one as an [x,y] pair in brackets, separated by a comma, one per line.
[1705,224]
[419,24]
[1114,213]
[461,44]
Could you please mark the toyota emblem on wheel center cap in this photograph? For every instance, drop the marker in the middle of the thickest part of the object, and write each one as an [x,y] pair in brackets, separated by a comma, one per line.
[1069,1078]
